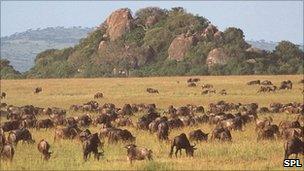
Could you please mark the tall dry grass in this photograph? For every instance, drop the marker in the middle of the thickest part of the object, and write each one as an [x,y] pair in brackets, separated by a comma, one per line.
[243,153]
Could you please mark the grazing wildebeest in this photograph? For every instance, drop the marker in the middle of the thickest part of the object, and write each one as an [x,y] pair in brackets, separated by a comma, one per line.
[163,131]
[223,92]
[286,85]
[191,84]
[98,95]
[69,132]
[294,146]
[266,82]
[7,152]
[44,147]
[253,82]
[198,135]
[3,95]
[138,153]
[37,90]
[221,133]
[193,80]
[181,142]
[85,120]
[90,145]
[207,86]
[10,125]
[268,132]
[120,135]
[44,123]
[20,134]
[83,135]
[152,90]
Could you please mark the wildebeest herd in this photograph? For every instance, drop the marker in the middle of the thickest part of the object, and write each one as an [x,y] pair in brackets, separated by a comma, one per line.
[223,116]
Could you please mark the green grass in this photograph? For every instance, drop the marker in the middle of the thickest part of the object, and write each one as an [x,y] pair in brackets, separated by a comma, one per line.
[244,152]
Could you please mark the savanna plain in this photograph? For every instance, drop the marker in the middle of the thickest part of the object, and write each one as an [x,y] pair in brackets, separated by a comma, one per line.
[243,153]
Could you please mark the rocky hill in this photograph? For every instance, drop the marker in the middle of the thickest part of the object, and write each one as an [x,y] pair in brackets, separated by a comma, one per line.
[22,48]
[156,42]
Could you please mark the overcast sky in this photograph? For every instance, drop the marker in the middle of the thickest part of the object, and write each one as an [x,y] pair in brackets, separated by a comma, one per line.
[268,20]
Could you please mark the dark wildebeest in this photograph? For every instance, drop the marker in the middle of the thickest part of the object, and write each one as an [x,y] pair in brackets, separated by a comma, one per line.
[152,90]
[198,135]
[268,132]
[3,95]
[163,131]
[98,95]
[7,152]
[191,84]
[11,125]
[84,135]
[253,82]
[90,145]
[37,90]
[181,142]
[85,120]
[20,134]
[221,133]
[44,147]
[286,85]
[124,135]
[138,153]
[294,146]
[44,123]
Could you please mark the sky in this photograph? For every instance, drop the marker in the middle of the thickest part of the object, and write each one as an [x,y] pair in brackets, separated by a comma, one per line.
[268,20]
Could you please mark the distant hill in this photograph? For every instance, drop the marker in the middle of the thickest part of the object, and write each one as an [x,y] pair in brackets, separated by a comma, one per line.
[21,48]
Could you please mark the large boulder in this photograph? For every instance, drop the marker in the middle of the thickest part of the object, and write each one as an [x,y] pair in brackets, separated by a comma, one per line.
[217,56]
[119,23]
[179,46]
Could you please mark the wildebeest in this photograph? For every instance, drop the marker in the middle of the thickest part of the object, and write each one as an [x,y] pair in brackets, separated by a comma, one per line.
[198,135]
[181,142]
[267,89]
[152,90]
[98,95]
[44,123]
[253,82]
[191,84]
[223,92]
[268,132]
[286,85]
[3,95]
[69,132]
[83,135]
[123,135]
[7,152]
[221,133]
[207,86]
[20,134]
[293,146]
[85,120]
[163,131]
[11,125]
[44,147]
[37,90]
[138,153]
[266,82]
[90,145]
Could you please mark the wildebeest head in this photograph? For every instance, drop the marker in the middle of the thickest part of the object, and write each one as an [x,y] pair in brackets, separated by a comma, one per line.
[190,150]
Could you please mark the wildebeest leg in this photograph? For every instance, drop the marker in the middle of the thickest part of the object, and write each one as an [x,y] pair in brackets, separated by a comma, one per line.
[296,155]
[171,152]
[176,151]
[85,156]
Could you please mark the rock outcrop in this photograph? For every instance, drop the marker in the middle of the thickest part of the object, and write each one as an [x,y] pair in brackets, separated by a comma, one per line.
[179,46]
[255,50]
[119,23]
[217,56]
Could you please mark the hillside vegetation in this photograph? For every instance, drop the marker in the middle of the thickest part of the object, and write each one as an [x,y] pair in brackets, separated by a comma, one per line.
[160,42]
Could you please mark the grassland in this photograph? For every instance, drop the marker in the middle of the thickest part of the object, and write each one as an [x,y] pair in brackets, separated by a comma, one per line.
[243,153]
